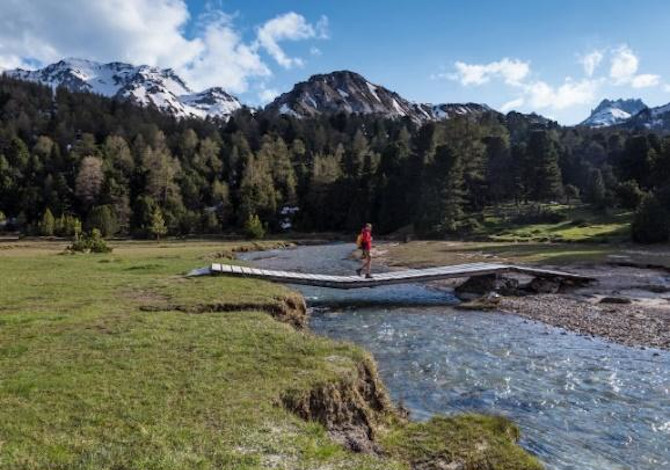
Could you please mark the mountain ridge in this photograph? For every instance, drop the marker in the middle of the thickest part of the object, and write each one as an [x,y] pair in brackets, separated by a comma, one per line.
[347,91]
[613,112]
[143,84]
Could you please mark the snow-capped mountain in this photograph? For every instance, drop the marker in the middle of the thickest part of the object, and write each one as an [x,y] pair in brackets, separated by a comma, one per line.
[143,84]
[610,113]
[349,92]
[657,118]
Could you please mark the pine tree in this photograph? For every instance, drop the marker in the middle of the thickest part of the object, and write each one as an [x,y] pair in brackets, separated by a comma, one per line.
[542,154]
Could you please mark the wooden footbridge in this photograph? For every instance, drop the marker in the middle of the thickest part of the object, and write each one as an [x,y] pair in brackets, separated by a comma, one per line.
[392,277]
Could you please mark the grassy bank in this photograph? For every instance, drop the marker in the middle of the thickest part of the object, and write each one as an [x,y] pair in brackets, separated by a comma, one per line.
[117,361]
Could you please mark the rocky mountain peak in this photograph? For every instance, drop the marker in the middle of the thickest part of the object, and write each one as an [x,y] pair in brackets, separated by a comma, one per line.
[144,85]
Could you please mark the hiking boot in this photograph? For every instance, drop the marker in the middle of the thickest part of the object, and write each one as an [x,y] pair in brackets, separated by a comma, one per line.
[358,271]
[368,276]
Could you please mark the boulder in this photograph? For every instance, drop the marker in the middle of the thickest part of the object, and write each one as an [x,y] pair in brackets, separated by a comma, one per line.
[615,300]
[544,285]
[478,286]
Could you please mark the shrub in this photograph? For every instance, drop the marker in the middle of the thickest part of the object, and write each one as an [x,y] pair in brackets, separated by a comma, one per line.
[90,243]
[650,224]
[253,228]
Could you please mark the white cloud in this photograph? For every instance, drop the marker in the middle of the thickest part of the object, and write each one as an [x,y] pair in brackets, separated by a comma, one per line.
[535,93]
[570,93]
[645,80]
[223,60]
[591,61]
[624,65]
[514,104]
[512,71]
[315,51]
[322,30]
[267,94]
[151,32]
[289,26]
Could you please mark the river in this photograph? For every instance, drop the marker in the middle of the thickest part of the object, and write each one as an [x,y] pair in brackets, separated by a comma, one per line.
[581,403]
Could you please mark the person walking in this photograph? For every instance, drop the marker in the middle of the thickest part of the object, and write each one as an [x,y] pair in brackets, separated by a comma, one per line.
[365,244]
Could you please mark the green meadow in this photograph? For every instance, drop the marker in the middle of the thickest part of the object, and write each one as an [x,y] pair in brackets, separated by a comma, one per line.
[118,361]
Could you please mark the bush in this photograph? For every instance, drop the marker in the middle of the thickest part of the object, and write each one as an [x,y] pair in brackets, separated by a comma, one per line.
[650,224]
[253,228]
[90,243]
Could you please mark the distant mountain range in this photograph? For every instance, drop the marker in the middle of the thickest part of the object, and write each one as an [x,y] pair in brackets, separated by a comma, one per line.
[143,84]
[630,113]
[340,91]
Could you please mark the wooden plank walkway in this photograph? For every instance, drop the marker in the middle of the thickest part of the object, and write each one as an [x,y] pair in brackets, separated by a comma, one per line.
[392,277]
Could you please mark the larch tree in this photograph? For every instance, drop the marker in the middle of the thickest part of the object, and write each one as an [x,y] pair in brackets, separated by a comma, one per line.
[89,180]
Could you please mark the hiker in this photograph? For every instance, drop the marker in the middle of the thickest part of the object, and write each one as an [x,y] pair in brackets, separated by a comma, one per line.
[364,242]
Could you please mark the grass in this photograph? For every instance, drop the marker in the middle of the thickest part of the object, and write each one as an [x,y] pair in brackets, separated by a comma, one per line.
[449,439]
[573,224]
[582,236]
[91,378]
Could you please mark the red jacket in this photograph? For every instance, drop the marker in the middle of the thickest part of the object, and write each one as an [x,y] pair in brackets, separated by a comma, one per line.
[366,239]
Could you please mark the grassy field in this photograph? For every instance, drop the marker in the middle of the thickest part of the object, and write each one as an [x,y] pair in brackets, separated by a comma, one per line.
[578,236]
[570,224]
[117,361]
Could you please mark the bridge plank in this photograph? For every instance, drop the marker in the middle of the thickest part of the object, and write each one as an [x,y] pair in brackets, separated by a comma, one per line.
[388,278]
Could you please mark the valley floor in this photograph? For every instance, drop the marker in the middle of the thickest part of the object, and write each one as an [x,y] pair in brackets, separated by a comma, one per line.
[119,361]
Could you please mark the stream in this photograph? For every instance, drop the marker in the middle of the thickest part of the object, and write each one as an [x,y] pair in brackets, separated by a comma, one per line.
[581,403]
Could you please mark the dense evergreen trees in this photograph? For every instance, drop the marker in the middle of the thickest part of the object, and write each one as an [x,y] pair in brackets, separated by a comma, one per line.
[68,158]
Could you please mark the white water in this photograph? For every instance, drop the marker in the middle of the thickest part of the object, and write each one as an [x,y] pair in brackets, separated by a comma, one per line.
[581,403]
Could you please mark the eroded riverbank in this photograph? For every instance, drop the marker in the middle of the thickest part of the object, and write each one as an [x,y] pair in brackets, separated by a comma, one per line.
[580,402]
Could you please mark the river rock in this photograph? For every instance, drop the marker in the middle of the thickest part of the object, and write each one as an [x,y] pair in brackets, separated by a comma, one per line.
[477,286]
[544,285]
[615,300]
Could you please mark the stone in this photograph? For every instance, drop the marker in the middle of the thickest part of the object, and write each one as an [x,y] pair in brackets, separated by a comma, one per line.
[543,285]
[615,300]
[477,286]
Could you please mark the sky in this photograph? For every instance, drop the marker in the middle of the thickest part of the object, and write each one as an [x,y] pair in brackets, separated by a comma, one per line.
[555,58]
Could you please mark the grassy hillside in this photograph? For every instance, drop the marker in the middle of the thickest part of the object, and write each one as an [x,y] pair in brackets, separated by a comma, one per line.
[117,361]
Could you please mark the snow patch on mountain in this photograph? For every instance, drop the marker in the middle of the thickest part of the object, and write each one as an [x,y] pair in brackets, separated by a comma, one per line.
[610,113]
[349,92]
[144,85]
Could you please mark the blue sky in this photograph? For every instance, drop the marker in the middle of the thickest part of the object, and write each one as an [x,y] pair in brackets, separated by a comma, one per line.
[557,58]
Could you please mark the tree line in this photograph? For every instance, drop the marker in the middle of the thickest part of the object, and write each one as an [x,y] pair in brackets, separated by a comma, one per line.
[76,161]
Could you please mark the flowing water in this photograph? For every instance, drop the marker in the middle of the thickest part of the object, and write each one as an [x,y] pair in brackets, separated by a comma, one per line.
[581,403]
